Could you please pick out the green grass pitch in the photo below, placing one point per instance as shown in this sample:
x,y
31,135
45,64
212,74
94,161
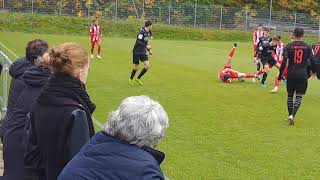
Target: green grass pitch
x,y
217,131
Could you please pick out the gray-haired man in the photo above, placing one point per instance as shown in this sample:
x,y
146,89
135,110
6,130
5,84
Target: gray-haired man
x,y
124,150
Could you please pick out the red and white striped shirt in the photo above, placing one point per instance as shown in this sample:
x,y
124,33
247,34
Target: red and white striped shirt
x,y
95,32
279,52
256,36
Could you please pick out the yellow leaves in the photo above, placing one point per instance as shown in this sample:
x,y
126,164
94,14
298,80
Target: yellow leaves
x,y
88,3
98,14
80,14
283,3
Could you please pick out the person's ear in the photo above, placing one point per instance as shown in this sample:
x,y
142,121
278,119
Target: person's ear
x,y
78,73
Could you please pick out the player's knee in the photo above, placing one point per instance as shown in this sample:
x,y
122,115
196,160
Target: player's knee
x,y
136,67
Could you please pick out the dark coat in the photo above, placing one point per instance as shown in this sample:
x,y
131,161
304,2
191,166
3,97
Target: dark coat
x,y
34,78
107,158
17,85
58,127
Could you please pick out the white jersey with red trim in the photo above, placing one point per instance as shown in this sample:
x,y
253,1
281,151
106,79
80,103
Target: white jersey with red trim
x,y
95,32
256,36
279,52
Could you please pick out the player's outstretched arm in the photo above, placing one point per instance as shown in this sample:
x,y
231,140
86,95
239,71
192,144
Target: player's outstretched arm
x,y
282,67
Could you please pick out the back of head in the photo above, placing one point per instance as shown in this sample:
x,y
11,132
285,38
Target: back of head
x,y
139,120
298,32
65,58
36,48
148,23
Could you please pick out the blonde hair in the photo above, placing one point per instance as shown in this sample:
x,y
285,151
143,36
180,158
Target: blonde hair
x,y
65,58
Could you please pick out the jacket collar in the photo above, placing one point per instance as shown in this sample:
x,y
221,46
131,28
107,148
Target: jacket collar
x,y
158,155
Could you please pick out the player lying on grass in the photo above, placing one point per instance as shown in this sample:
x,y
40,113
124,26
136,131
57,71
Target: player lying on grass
x,y
227,74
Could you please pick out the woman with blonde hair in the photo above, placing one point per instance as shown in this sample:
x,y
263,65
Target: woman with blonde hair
x,y
60,120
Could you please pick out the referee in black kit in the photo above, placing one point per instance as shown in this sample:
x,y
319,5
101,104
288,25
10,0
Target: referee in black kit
x,y
297,54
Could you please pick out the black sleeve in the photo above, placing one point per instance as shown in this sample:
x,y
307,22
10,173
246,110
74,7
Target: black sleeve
x,y
259,44
32,155
312,62
79,133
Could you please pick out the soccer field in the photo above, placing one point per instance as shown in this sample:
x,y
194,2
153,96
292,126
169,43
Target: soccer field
x,y
217,130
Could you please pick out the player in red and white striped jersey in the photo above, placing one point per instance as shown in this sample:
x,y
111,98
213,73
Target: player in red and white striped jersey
x,y
96,34
278,57
256,38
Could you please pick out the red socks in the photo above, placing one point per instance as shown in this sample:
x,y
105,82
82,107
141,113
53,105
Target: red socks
x,y
99,50
232,52
250,76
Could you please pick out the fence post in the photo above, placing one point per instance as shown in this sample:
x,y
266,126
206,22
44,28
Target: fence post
x,y
5,84
221,17
270,18
295,20
245,28
3,5
319,29
143,6
116,7
32,6
195,14
134,6
88,13
169,19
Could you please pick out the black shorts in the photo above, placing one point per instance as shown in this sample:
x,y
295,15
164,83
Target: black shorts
x,y
268,60
139,57
298,86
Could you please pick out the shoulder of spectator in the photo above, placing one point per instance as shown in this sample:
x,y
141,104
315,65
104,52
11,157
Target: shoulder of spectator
x,y
79,132
151,171
79,115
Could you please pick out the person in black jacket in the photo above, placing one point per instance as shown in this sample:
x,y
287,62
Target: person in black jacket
x,y
34,78
60,120
35,48
125,148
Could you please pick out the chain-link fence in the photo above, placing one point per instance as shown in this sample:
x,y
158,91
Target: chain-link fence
x,y
171,12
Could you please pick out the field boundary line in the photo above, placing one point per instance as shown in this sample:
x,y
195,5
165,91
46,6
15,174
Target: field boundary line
x,y
8,50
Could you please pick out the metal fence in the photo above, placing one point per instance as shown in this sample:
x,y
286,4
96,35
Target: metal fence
x,y
170,12
5,62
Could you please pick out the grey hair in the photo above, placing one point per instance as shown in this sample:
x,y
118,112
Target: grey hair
x,y
139,120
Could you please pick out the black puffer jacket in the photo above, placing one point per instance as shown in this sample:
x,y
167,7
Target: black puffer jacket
x,y
34,78
16,71
60,124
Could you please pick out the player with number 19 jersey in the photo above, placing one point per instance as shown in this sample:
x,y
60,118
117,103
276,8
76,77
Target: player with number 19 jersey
x,y
297,54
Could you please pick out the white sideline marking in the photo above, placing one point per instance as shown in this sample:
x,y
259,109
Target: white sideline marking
x,y
8,50
95,121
